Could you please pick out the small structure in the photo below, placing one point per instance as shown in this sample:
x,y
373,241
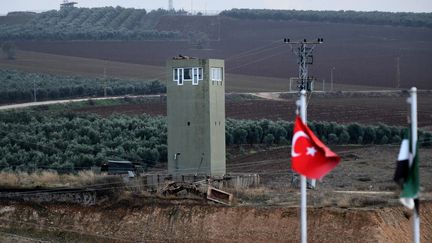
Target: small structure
x,y
196,116
219,196
66,4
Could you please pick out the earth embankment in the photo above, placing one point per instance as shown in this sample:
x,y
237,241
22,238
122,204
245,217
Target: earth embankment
x,y
207,223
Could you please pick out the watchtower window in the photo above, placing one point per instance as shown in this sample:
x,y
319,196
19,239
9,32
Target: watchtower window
x,y
176,74
187,74
197,74
216,74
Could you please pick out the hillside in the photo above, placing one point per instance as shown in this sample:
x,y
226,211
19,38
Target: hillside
x,y
106,23
362,47
341,16
361,54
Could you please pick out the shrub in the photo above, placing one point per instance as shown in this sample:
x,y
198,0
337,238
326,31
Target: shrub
x,y
332,138
384,140
269,139
396,139
356,133
344,137
369,135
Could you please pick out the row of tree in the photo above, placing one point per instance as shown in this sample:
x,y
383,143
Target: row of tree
x,y
106,23
66,141
18,86
355,17
280,132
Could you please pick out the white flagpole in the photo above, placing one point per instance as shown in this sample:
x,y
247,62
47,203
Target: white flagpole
x,y
413,101
303,215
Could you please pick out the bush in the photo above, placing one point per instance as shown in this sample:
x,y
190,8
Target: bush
x,y
332,138
240,136
356,133
269,139
396,139
369,135
344,137
384,140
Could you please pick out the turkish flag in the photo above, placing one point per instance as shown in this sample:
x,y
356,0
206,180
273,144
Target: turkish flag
x,y
310,157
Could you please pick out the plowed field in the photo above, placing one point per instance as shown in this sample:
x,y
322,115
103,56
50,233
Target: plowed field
x,y
361,54
367,110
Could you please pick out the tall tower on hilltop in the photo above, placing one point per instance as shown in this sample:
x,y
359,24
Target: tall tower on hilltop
x,y
196,116
170,5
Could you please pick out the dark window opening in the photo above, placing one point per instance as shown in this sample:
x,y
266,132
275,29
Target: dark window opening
x,y
187,74
188,123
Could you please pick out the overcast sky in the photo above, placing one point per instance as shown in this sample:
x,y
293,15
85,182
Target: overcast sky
x,y
360,5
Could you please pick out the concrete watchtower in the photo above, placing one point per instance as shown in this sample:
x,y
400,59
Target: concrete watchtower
x,y
196,116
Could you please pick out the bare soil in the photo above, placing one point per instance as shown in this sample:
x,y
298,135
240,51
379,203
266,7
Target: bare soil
x,y
363,168
89,67
208,224
361,54
390,110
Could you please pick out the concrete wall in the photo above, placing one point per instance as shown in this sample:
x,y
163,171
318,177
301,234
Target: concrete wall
x,y
196,121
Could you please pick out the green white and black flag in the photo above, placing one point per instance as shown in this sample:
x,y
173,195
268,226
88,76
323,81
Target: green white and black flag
x,y
407,174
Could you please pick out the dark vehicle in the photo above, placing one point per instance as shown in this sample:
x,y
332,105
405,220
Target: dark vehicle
x,y
119,168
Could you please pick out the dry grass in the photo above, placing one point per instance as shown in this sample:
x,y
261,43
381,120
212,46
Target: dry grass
x,y
48,179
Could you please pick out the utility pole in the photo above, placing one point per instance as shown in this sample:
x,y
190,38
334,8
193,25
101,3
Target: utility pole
x,y
105,83
170,5
398,72
304,50
331,78
34,89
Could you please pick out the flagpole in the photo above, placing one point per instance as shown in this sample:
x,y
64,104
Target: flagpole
x,y
413,101
303,215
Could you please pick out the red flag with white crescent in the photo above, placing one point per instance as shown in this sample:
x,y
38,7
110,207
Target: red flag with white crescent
x,y
310,157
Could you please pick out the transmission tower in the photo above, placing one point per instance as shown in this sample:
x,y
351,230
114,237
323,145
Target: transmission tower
x,y
170,5
303,49
398,72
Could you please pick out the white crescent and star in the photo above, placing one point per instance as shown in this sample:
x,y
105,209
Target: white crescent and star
x,y
310,150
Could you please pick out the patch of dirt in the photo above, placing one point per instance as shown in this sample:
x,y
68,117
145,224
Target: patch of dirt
x,y
362,168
